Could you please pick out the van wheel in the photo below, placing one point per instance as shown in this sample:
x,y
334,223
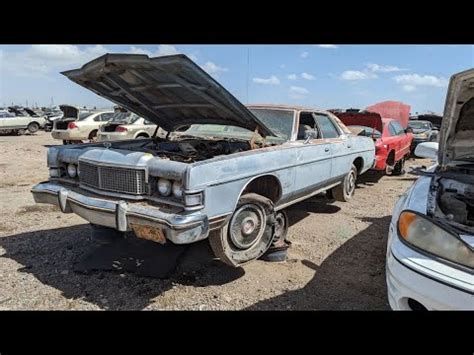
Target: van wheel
x,y
33,127
344,191
248,233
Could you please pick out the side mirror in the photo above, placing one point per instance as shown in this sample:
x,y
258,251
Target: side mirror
x,y
408,130
427,150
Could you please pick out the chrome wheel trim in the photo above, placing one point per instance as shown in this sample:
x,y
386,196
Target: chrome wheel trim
x,y
247,226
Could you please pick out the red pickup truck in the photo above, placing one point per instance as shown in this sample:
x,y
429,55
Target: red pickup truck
x,y
392,141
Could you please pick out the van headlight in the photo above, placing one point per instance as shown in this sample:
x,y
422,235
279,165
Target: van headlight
x,y
421,232
178,189
164,187
71,170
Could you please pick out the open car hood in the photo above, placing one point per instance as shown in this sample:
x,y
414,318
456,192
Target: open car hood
x,y
170,91
456,136
364,118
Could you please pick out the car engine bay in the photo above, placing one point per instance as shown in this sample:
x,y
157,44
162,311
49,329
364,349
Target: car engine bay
x,y
454,200
189,150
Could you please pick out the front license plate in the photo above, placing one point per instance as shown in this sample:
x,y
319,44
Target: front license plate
x,y
149,233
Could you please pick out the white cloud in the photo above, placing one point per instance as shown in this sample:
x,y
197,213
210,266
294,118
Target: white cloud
x,y
409,88
213,69
272,80
304,55
297,92
332,46
353,75
376,68
307,76
421,80
166,49
292,77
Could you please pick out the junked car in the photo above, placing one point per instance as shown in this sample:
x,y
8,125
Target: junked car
x,y
430,250
20,122
423,131
126,125
194,183
78,125
392,141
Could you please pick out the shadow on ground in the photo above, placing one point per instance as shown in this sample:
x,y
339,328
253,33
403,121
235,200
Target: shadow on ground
x,y
351,278
52,255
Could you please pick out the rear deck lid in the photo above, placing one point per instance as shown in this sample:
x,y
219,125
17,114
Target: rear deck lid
x,y
363,118
69,112
170,91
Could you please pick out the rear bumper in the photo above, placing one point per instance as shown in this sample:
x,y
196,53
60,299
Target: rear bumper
x,y
69,135
121,215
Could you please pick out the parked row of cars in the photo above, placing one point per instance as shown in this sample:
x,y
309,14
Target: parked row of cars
x,y
226,172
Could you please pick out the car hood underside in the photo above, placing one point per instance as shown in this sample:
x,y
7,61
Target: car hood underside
x,y
171,91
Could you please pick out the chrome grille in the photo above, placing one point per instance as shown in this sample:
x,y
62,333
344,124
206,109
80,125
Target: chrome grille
x,y
116,179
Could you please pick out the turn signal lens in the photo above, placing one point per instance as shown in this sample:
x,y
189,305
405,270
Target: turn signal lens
x,y
404,222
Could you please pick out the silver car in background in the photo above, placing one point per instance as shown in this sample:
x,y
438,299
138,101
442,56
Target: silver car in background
x,y
126,125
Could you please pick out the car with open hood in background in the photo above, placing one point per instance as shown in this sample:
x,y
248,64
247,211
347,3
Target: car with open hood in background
x,y
392,141
127,125
19,121
430,249
224,171
78,125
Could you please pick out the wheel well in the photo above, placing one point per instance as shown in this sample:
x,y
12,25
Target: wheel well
x,y
34,122
142,135
391,158
268,186
92,133
359,164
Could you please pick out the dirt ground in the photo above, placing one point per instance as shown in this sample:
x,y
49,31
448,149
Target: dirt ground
x,y
336,261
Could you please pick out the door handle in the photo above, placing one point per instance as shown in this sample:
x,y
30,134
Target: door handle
x,y
326,149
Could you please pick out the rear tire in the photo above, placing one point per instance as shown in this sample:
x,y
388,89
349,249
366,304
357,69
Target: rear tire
x,y
249,232
33,127
399,168
344,191
93,136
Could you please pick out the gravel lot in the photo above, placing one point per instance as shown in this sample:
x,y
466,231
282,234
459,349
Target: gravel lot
x,y
336,261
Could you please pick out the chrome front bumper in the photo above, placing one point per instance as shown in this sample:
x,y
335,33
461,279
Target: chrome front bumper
x,y
120,214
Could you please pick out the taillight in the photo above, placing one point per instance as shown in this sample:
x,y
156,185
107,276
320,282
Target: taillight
x,y
120,129
71,125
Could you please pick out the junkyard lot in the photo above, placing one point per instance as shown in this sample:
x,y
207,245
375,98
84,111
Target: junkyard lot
x,y
336,260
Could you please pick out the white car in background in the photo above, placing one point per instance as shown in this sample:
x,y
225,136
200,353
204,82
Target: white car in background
x,y
79,125
430,251
126,125
18,121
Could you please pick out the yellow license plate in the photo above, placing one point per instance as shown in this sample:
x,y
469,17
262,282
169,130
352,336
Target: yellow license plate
x,y
149,233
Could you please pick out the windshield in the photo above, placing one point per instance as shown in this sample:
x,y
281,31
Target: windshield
x,y
279,121
124,117
368,131
419,125
84,115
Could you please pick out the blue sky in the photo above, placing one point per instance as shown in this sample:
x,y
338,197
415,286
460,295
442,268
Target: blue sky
x,y
323,76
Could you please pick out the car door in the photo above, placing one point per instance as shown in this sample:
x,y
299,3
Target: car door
x,y
313,157
341,148
403,140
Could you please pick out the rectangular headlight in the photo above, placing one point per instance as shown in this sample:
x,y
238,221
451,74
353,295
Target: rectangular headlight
x,y
55,172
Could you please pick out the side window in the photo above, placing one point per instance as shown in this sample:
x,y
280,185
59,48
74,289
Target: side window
x,y
327,126
106,116
98,118
306,123
398,128
392,129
